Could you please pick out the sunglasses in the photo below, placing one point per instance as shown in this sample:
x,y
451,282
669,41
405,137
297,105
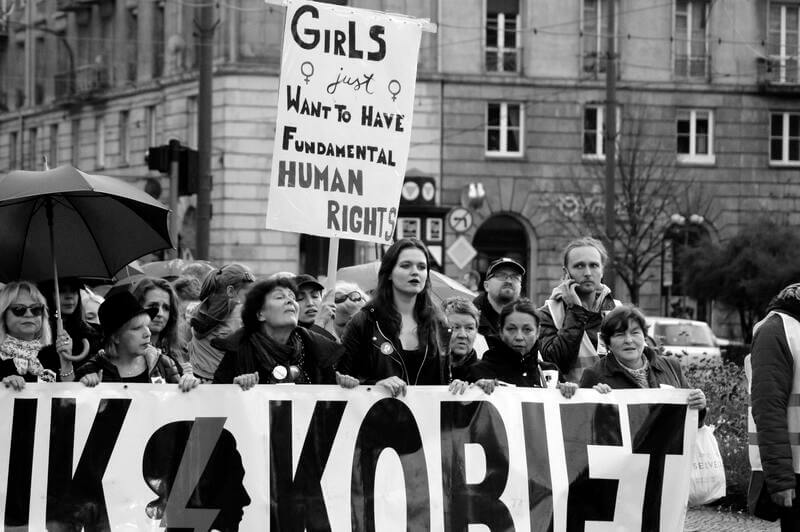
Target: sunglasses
x,y
355,297
20,310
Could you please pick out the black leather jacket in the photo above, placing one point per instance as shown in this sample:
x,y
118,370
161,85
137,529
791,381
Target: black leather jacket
x,y
371,355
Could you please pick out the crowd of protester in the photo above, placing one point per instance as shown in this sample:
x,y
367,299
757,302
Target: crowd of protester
x,y
224,326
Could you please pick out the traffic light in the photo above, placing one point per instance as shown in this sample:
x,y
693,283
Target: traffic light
x,y
160,158
157,158
187,172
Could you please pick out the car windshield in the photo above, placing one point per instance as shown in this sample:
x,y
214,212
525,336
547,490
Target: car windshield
x,y
684,334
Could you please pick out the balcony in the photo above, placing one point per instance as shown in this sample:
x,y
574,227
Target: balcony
x,y
83,84
778,74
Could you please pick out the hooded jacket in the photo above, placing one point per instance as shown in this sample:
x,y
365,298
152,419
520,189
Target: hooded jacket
x,y
774,394
562,343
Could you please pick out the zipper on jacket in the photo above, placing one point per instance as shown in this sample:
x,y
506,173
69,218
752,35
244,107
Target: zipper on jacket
x,y
402,363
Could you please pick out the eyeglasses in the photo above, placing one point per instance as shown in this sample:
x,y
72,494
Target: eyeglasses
x,y
355,297
20,310
507,276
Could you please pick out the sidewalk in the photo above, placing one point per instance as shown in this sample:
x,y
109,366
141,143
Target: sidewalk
x,y
710,520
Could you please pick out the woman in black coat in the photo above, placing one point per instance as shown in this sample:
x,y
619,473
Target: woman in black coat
x,y
271,348
394,340
630,364
512,358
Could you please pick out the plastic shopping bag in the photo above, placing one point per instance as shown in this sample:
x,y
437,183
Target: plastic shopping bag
x,y
707,481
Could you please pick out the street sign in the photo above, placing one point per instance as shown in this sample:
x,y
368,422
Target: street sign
x,y
459,219
461,252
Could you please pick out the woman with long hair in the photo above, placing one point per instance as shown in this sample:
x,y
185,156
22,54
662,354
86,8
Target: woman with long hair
x,y
217,316
24,332
271,347
393,341
167,324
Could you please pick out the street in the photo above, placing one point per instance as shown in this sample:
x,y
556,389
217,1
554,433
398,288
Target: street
x,y
706,519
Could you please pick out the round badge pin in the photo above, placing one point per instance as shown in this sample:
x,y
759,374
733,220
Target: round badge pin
x,y
279,372
386,348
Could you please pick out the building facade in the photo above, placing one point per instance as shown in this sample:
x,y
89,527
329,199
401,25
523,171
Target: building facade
x,y
510,102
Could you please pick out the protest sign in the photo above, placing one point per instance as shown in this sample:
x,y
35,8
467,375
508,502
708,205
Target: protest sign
x,y
343,127
146,457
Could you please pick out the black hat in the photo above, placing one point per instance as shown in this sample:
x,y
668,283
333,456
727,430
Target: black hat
x,y
508,263
307,280
117,309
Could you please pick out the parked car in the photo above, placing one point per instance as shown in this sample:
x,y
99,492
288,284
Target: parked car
x,y
690,340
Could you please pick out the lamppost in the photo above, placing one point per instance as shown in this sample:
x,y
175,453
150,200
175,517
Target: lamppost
x,y
683,226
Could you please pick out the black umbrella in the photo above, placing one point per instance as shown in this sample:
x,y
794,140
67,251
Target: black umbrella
x,y
64,222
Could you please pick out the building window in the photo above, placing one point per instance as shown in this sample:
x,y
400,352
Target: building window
x,y
124,144
150,123
594,131
100,141
783,47
13,141
191,121
504,129
75,140
502,25
691,38
52,156
595,31
695,130
33,140
158,37
784,138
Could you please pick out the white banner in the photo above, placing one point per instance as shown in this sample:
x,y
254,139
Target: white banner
x,y
345,104
147,457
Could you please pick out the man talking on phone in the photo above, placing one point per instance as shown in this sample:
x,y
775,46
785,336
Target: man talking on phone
x,y
571,317
503,285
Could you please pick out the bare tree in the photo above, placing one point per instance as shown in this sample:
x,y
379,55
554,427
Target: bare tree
x,y
649,189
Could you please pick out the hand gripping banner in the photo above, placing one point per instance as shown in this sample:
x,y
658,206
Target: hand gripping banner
x,y
318,458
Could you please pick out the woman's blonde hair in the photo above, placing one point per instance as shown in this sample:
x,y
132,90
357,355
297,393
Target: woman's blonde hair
x,y
9,294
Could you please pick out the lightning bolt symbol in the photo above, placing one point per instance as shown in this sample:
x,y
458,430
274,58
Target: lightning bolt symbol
x,y
202,439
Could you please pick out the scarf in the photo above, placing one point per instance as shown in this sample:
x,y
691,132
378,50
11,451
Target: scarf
x,y
271,354
24,353
639,375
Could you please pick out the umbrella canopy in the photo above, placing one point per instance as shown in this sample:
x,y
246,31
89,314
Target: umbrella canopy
x,y
366,277
99,224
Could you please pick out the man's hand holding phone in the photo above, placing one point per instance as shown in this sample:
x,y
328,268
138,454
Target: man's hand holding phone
x,y
565,291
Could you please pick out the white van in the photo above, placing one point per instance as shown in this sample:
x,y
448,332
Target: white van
x,y
690,340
